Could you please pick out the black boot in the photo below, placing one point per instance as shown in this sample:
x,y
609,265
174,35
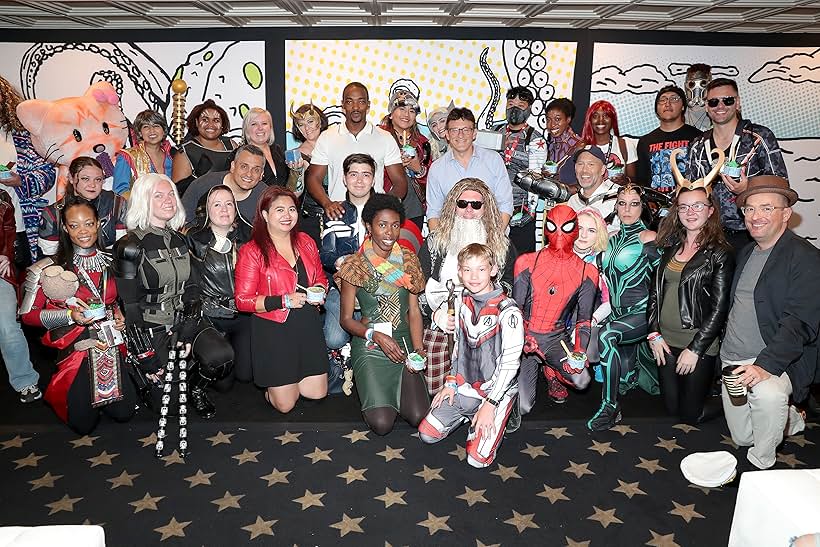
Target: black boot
x,y
199,397
202,404
514,420
608,416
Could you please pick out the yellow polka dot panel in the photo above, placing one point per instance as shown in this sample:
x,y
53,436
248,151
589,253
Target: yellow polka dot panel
x,y
469,73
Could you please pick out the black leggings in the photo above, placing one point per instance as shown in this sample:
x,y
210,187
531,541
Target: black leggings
x,y
685,394
238,331
82,417
211,350
413,406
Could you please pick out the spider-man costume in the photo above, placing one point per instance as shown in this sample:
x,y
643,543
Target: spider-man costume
x,y
554,288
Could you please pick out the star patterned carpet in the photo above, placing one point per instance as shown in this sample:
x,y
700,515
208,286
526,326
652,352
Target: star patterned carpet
x,y
337,484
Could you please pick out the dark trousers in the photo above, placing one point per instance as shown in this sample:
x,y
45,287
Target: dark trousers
x,y
238,331
82,417
685,394
523,237
312,226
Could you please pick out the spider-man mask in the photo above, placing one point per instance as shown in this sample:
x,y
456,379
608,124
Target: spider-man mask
x,y
561,229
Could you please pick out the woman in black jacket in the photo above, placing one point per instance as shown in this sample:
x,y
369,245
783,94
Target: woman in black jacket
x,y
689,301
214,243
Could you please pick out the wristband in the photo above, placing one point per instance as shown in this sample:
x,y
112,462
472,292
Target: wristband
x,y
273,303
654,336
286,301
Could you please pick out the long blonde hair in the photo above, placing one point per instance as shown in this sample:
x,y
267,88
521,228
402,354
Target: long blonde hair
x,y
602,237
497,239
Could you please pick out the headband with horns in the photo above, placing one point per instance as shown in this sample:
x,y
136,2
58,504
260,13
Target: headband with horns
x,y
309,113
702,183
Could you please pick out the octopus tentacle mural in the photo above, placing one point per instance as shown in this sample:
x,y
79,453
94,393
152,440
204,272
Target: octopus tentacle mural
x,y
526,66
488,112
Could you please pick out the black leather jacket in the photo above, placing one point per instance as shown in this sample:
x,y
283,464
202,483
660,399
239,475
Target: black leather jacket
x,y
214,270
703,293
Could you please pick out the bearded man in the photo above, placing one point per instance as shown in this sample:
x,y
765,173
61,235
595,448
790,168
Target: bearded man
x,y
470,215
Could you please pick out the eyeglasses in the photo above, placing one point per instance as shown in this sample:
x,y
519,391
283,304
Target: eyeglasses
x,y
460,131
672,100
765,210
463,203
727,101
697,207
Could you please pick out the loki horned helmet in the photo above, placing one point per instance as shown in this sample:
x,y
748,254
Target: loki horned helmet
x,y
307,114
704,183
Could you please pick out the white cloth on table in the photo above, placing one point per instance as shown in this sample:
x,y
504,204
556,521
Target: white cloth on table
x,y
65,536
774,506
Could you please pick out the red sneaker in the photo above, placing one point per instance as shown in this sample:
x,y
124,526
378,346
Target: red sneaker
x,y
556,390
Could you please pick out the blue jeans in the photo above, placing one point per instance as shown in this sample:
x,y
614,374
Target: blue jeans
x,y
335,335
13,344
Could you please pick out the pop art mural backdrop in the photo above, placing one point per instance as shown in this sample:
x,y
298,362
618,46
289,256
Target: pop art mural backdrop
x,y
779,88
470,73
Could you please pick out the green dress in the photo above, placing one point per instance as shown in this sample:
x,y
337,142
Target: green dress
x,y
378,379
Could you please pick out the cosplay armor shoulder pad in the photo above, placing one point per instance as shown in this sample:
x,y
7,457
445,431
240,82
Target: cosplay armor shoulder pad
x,y
506,303
126,253
32,283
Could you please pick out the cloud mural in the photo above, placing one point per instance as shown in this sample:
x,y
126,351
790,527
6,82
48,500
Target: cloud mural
x,y
679,69
638,80
797,68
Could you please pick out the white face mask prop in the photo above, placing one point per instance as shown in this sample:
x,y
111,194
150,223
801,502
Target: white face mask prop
x,y
695,87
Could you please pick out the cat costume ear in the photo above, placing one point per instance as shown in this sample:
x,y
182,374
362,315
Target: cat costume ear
x,y
32,114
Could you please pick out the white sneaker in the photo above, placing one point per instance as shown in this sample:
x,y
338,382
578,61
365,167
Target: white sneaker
x,y
29,394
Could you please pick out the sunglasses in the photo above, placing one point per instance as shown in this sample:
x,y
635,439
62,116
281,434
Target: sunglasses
x,y
524,96
463,203
727,101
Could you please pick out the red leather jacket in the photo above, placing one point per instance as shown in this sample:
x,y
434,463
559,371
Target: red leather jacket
x,y
8,233
253,278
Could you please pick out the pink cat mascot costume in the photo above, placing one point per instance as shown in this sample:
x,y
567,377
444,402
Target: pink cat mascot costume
x,y
62,130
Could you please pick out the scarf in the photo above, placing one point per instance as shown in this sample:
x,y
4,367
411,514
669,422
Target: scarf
x,y
389,272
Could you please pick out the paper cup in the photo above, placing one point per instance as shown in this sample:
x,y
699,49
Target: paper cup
x,y
408,151
737,392
315,295
616,171
578,360
731,170
416,361
550,168
95,311
293,156
5,175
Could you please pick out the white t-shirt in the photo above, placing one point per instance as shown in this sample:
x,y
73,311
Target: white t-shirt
x,y
337,143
